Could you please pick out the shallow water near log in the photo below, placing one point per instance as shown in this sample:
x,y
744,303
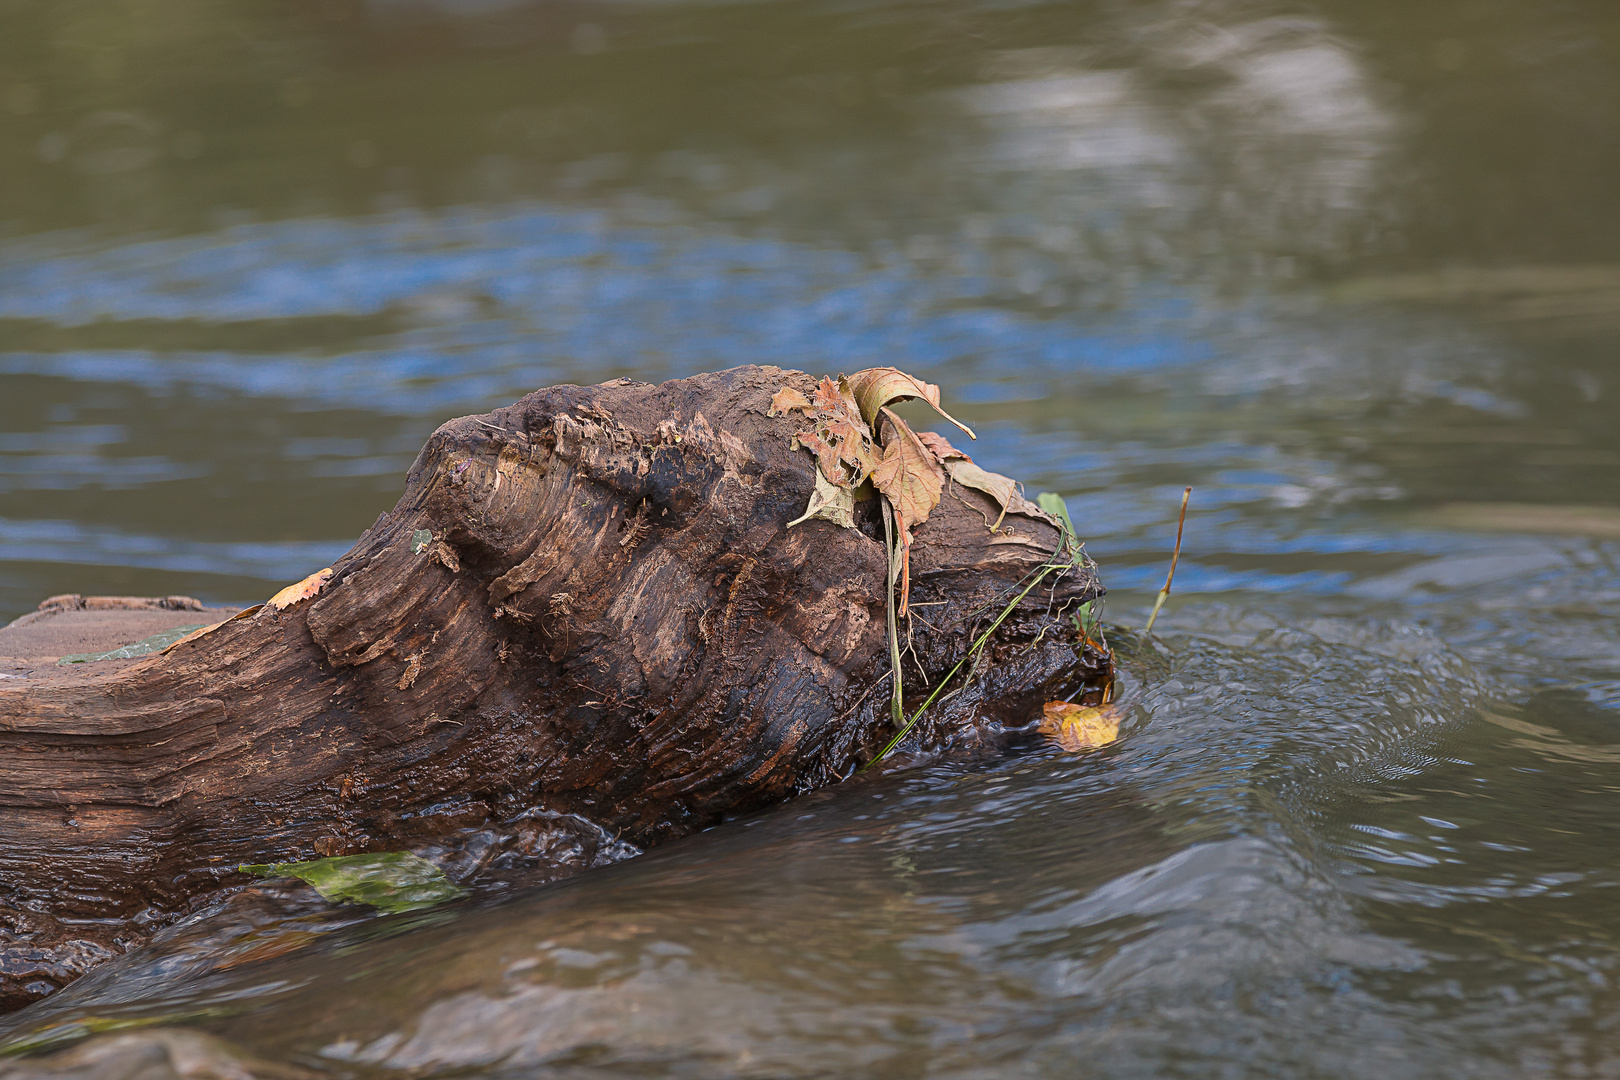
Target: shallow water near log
x,y
1349,269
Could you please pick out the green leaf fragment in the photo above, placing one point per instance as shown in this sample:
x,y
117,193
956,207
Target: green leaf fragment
x,y
143,647
420,540
1053,504
393,881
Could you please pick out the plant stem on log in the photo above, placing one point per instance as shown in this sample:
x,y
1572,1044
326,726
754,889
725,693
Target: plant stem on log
x,y
897,693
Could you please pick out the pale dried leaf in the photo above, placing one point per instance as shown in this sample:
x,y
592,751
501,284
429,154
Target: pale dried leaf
x,y
302,590
874,388
445,555
830,502
786,400
911,479
1003,489
1000,488
1079,727
940,447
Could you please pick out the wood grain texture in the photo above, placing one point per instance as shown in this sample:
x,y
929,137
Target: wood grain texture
x,y
611,619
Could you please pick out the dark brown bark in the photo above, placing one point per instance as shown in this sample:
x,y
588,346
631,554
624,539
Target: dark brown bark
x,y
586,601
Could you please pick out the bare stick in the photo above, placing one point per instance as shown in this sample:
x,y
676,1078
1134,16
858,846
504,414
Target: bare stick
x,y
1164,593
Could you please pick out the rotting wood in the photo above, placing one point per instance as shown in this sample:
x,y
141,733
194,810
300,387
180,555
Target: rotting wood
x,y
611,619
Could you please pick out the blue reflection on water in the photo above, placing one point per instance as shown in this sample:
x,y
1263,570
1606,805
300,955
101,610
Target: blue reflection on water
x,y
532,293
72,542
490,303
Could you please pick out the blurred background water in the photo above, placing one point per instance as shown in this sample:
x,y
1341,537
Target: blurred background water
x,y
1351,269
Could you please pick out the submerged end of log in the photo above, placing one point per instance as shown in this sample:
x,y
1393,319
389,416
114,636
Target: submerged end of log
x,y
588,602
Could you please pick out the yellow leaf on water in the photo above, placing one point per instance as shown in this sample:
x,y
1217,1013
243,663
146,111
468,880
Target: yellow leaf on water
x,y
302,590
876,387
786,400
1079,727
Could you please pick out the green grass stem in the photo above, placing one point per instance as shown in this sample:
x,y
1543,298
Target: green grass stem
x,y
971,653
896,699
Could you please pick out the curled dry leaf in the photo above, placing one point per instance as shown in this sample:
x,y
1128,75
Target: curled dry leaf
x,y
940,446
827,454
832,502
876,387
843,446
910,476
832,398
786,400
1079,727
1003,489
302,590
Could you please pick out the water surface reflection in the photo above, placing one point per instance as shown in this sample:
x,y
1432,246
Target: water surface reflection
x,y
1348,269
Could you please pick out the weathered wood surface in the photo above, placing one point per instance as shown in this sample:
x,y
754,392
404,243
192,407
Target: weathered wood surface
x,y
587,601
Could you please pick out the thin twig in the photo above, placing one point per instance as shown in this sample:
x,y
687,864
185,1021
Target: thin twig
x,y
971,654
864,695
1164,593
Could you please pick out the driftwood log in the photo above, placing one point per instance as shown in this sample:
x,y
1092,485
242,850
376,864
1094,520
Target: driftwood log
x,y
587,601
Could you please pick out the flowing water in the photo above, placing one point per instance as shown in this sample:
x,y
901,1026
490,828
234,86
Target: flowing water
x,y
1351,269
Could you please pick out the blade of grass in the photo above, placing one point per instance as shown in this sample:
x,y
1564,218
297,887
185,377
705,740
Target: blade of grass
x,y
1164,593
896,700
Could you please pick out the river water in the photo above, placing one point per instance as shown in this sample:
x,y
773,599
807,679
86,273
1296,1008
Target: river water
x,y
1351,269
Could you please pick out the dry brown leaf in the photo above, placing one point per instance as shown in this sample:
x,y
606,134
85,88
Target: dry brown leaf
x,y
302,590
852,440
826,453
876,387
1003,489
1079,727
940,447
911,479
835,397
831,502
786,400
841,437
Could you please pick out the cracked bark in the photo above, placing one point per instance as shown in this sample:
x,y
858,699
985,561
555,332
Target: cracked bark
x,y
607,616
